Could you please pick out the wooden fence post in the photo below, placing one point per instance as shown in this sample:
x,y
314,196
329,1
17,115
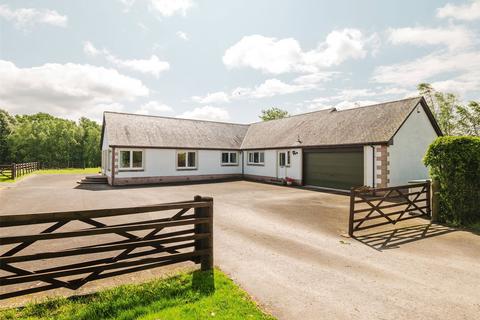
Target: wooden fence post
x,y
14,171
435,199
202,244
352,204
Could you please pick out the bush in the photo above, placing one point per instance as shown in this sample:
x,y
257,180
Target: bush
x,y
455,162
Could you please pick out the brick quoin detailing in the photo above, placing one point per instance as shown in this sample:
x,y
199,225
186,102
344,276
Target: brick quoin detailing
x,y
382,165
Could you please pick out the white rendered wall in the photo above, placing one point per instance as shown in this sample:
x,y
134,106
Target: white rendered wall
x,y
368,166
271,167
409,147
162,162
105,147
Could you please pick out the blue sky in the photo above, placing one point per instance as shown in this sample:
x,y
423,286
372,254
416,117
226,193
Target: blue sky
x,y
228,60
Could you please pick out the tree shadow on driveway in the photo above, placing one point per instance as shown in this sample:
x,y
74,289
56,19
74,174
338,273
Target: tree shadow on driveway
x,y
393,239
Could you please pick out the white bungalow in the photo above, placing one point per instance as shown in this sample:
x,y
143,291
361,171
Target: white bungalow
x,y
378,145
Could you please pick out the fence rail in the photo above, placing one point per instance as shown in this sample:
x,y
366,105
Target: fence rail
x,y
370,207
144,245
15,170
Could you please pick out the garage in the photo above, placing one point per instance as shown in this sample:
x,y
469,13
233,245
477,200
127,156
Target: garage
x,y
336,168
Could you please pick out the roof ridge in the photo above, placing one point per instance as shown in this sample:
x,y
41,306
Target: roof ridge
x,y
174,118
329,109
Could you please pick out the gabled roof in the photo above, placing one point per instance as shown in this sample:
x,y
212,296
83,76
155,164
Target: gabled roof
x,y
375,124
133,130
363,125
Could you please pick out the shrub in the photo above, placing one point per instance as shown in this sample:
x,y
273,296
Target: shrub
x,y
455,162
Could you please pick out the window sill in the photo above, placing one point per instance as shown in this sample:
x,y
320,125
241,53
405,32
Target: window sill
x,y
256,164
229,164
186,169
130,170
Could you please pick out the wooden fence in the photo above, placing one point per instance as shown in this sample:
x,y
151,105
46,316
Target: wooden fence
x,y
370,207
78,248
15,170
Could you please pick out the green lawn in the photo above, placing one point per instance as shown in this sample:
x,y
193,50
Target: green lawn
x,y
55,171
193,295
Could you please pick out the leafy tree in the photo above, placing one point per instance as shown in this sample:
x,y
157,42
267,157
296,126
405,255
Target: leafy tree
x,y
469,118
446,108
273,114
7,122
53,141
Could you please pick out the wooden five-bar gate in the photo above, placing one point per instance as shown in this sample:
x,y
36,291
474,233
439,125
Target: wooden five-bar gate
x,y
373,207
81,254
14,170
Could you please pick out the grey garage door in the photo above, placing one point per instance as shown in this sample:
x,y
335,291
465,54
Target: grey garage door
x,y
334,168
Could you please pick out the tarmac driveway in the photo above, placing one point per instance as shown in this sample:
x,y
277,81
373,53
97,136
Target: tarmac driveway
x,y
285,246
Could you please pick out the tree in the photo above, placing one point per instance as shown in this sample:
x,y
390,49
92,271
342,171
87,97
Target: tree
x,y
443,106
54,141
469,118
7,122
447,105
273,114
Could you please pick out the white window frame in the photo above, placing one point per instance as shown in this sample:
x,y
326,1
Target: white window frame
x,y
287,159
130,167
230,162
253,163
186,160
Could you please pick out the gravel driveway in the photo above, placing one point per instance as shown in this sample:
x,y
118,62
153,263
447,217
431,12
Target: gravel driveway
x,y
285,247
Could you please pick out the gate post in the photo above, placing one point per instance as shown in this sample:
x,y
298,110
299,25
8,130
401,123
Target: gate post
x,y
435,199
352,207
14,171
206,261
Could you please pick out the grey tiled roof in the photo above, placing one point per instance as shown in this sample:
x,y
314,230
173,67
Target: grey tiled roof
x,y
364,125
149,131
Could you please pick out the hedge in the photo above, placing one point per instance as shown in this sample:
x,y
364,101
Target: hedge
x,y
455,162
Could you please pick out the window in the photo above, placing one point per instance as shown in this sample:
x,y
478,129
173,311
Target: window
x,y
131,159
256,157
186,160
284,159
229,158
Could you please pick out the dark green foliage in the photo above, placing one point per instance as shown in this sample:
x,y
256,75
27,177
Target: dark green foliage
x,y
54,142
455,162
7,122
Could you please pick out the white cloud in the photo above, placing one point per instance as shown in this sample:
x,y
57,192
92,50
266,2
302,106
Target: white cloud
x,y
153,108
153,65
168,8
90,50
269,88
69,90
276,56
206,113
462,66
315,78
28,17
452,37
216,97
182,35
468,12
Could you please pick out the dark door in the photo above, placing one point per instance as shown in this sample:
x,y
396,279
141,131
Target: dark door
x,y
334,168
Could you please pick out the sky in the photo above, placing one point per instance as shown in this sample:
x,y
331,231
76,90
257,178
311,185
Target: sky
x,y
228,60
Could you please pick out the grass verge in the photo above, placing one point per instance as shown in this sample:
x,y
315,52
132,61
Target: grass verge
x,y
55,171
193,295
